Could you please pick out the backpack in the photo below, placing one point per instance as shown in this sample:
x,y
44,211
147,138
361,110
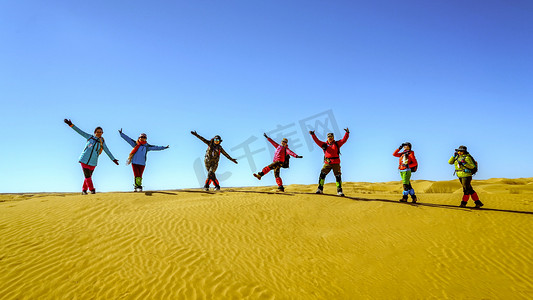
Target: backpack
x,y
474,170
286,162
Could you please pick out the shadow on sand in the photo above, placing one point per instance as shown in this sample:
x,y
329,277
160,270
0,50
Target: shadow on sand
x,y
446,206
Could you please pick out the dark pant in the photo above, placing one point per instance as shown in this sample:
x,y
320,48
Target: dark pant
x,y
211,165
325,171
276,166
467,185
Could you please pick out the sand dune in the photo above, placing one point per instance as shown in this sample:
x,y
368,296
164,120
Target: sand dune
x,y
255,243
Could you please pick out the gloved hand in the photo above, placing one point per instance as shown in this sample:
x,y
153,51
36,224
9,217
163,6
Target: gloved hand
x,y
401,146
234,160
299,156
455,154
311,132
265,135
120,130
347,130
167,146
116,161
68,122
193,133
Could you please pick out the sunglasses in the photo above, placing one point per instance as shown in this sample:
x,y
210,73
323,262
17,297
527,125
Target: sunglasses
x,y
217,140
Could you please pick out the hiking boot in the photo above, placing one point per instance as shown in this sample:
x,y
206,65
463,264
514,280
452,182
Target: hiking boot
x,y
84,192
206,189
479,204
404,198
257,176
319,191
463,204
217,188
93,191
281,188
413,197
340,193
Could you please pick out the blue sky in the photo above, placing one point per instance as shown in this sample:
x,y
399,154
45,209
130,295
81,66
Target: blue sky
x,y
436,73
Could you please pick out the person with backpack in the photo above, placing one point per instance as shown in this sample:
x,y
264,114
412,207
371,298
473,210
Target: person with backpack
x,y
211,159
408,165
137,157
465,167
332,159
281,160
89,156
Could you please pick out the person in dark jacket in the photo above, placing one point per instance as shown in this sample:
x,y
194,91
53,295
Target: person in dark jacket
x,y
280,157
407,164
89,156
211,159
332,160
137,157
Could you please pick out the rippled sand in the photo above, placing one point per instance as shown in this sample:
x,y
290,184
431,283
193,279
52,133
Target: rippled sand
x,y
255,243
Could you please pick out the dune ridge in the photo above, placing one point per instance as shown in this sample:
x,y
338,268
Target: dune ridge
x,y
255,243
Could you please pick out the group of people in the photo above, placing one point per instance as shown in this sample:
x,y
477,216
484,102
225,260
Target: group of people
x,y
465,165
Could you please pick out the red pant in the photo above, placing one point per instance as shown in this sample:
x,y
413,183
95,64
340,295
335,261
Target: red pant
x,y
137,170
88,173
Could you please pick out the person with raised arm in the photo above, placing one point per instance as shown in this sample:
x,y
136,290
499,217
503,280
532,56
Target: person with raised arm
x,y
332,161
137,157
89,156
211,159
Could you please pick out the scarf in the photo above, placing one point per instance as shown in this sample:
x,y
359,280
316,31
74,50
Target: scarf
x,y
139,143
99,140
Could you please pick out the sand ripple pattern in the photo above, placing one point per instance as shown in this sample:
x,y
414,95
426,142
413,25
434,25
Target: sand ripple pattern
x,y
254,244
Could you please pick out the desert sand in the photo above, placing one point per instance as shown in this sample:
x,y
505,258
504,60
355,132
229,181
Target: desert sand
x,y
255,243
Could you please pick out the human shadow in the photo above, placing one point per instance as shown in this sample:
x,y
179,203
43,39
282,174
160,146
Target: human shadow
x,y
240,191
150,193
446,206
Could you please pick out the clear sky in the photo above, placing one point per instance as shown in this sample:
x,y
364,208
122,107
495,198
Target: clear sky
x,y
436,73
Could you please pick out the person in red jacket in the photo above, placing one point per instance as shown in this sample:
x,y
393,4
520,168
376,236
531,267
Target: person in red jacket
x,y
280,160
332,159
407,165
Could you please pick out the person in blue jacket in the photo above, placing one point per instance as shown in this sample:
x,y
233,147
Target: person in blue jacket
x,y
137,156
89,157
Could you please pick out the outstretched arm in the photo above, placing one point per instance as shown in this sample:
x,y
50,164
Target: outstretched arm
x,y
156,148
317,141
200,137
227,155
127,138
79,131
289,151
106,150
272,142
345,138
